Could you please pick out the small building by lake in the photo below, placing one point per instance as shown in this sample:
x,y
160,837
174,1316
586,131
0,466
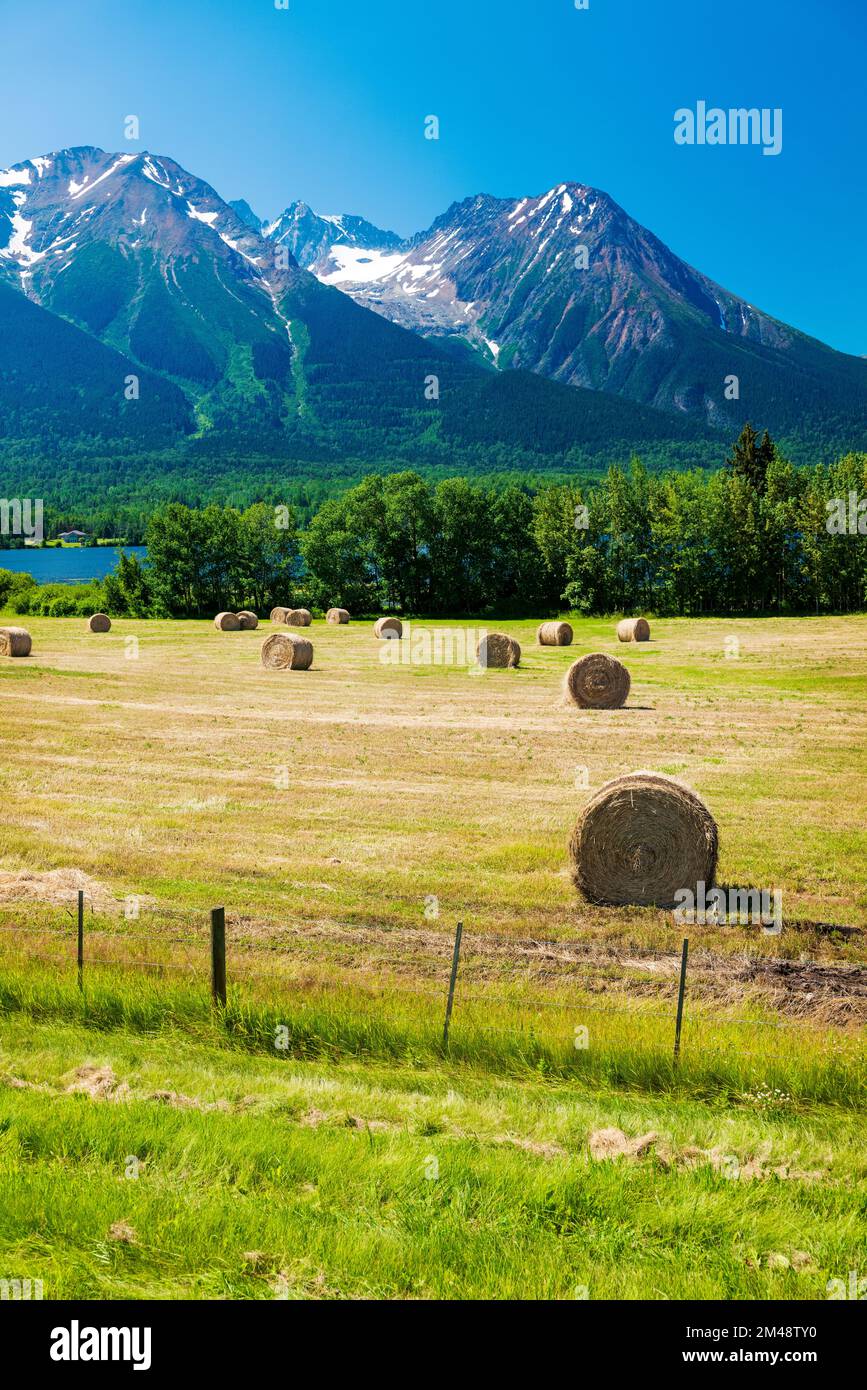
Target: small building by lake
x,y
73,537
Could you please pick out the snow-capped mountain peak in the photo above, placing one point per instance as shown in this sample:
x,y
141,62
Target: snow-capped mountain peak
x,y
312,237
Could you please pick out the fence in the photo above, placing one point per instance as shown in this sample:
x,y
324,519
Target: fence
x,y
212,958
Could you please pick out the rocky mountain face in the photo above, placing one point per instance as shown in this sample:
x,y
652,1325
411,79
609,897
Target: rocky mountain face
x,y
512,330
141,271
569,286
246,214
326,244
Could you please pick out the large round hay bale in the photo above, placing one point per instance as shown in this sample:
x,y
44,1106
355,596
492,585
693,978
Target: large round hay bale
x,y
299,617
99,622
337,615
15,641
284,651
248,620
633,630
278,615
227,622
640,840
498,649
597,681
554,635
388,628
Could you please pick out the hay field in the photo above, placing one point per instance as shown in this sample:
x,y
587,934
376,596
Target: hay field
x,y
347,817
353,791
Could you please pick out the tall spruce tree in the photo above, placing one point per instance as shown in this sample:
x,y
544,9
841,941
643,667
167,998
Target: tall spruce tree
x,y
751,458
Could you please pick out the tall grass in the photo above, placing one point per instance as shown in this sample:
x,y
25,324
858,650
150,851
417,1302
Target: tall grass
x,y
624,1047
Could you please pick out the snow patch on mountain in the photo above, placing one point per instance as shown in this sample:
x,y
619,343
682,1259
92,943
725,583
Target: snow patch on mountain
x,y
209,218
76,190
358,266
9,178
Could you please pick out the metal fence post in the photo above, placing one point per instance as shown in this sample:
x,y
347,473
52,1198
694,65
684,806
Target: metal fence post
x,y
680,993
81,938
455,958
218,956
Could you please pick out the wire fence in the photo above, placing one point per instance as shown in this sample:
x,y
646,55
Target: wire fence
x,y
464,1001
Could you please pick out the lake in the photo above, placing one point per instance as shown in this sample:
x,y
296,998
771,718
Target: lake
x,y
72,565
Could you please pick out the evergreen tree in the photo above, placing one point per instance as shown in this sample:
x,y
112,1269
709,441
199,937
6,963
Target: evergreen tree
x,y
751,458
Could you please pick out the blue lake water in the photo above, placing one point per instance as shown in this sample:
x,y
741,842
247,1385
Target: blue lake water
x,y
73,565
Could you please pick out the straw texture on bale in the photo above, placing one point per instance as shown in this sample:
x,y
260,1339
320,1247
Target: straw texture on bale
x,y
299,617
15,641
388,628
278,615
640,840
99,622
283,651
633,630
227,622
498,649
337,615
249,622
554,635
598,681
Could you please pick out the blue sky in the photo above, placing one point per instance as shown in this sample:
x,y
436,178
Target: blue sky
x,y
326,101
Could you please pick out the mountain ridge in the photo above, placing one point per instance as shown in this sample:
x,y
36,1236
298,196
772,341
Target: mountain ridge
x,y
147,260
566,284
542,329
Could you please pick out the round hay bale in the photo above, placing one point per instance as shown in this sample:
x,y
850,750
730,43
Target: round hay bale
x,y
299,617
598,681
15,641
99,622
227,622
554,635
283,651
388,628
633,630
248,620
337,615
278,615
640,840
498,649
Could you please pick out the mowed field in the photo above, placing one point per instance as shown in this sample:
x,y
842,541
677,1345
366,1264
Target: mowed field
x,y
353,791
347,818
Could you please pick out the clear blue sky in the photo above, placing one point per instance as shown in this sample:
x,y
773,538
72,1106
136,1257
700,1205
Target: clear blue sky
x,y
325,101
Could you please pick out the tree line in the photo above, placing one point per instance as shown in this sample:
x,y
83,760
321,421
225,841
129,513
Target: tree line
x,y
759,536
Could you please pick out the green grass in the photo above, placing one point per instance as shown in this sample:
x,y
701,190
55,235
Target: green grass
x,y
412,1180
156,777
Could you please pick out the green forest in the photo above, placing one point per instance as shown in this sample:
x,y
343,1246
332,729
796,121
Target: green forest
x,y
757,536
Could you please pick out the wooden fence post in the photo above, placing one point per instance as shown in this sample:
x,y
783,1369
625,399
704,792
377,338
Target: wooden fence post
x,y
218,956
680,993
455,958
81,938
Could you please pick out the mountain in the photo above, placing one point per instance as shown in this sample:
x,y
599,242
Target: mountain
x,y
126,265
246,214
330,244
568,286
